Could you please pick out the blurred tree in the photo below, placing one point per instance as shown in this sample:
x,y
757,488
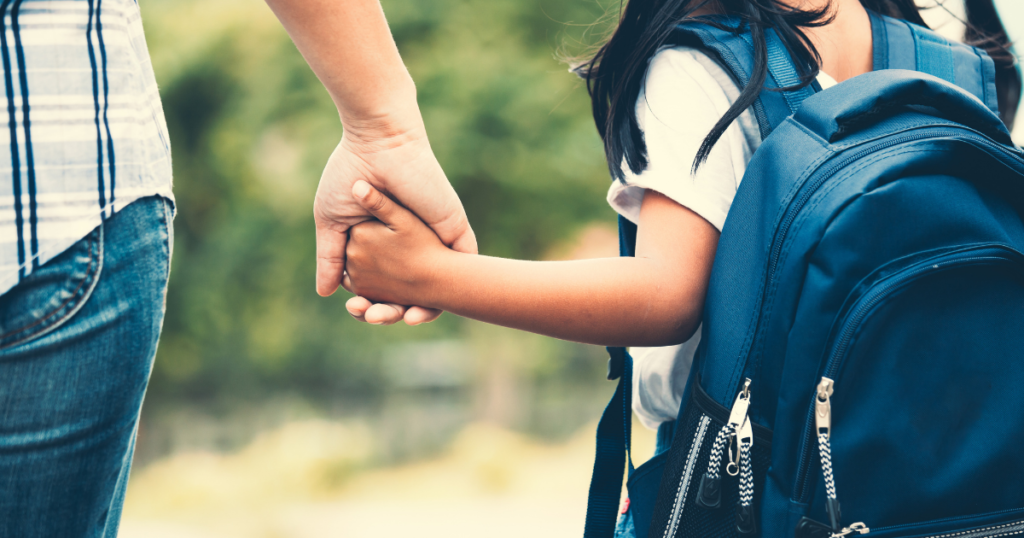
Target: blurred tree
x,y
251,128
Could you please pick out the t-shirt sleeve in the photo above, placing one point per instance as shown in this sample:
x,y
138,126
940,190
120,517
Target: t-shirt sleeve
x,y
681,102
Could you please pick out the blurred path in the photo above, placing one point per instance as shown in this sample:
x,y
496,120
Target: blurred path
x,y
494,518
314,479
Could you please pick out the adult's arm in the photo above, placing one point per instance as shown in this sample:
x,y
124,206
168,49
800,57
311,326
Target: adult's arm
x,y
349,46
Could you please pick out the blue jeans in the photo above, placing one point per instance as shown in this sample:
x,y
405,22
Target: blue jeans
x,y
77,341
624,526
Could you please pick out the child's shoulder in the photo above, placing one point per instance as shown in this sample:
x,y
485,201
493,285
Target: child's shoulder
x,y
687,79
686,71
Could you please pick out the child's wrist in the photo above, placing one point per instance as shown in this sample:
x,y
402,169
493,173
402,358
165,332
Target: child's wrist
x,y
435,288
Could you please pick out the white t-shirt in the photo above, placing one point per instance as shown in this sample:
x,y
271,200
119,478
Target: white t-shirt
x,y
684,95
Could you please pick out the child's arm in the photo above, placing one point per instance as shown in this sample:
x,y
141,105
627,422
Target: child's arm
x,y
653,299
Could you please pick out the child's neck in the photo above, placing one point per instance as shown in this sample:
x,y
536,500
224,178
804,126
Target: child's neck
x,y
845,45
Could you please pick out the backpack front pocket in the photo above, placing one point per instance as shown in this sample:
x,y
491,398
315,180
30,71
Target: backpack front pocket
x,y
916,415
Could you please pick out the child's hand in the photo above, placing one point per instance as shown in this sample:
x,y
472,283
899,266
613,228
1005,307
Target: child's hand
x,y
393,259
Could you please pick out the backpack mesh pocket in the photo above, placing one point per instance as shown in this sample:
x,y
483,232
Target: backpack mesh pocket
x,y
677,513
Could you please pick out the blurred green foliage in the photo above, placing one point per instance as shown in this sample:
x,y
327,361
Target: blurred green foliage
x,y
251,128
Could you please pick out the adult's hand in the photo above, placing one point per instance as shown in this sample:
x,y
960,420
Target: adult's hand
x,y
396,160
348,45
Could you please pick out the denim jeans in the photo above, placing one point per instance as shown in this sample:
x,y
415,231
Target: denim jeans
x,y
624,526
77,341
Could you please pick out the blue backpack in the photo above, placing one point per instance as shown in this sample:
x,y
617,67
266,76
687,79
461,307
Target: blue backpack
x,y
863,338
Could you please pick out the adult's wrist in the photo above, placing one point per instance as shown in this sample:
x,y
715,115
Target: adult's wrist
x,y
390,114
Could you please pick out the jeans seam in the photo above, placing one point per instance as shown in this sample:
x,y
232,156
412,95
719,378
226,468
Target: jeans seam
x,y
168,242
93,272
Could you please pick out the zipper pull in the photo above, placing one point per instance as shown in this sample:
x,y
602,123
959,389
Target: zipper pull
x,y
809,528
746,523
710,493
739,408
823,407
822,418
858,528
823,422
737,417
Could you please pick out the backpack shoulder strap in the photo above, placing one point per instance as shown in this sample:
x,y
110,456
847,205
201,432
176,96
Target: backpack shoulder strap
x,y
731,46
903,45
898,44
612,451
729,43
733,50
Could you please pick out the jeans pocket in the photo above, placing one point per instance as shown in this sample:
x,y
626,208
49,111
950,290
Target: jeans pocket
x,y
52,294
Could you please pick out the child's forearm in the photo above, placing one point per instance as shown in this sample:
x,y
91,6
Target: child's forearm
x,y
653,299
607,301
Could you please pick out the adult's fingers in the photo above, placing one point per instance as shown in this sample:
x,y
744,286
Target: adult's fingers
x,y
330,258
374,313
357,307
384,314
416,315
427,192
453,229
380,206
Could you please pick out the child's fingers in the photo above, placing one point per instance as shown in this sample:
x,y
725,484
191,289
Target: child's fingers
x,y
383,208
416,315
384,314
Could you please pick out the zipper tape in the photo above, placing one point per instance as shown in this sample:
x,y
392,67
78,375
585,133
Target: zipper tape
x,y
684,483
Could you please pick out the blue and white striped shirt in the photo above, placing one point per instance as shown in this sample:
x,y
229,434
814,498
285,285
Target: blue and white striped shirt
x,y
83,132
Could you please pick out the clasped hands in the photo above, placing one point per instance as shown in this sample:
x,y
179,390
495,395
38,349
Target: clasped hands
x,y
396,160
395,259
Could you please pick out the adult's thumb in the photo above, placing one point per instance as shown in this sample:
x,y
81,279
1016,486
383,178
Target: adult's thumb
x,y
330,258
466,242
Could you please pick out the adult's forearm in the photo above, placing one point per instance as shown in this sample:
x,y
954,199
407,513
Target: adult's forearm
x,y
607,301
349,46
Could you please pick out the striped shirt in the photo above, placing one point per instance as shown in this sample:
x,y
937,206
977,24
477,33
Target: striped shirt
x,y
82,134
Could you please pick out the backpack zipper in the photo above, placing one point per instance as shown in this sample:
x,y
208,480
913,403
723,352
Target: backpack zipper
x,y
823,422
684,483
710,493
739,432
989,253
795,207
1014,528
994,531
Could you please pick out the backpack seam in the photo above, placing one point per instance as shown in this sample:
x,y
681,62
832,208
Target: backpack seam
x,y
753,327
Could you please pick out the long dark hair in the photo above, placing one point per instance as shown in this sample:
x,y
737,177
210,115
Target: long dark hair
x,y
615,74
